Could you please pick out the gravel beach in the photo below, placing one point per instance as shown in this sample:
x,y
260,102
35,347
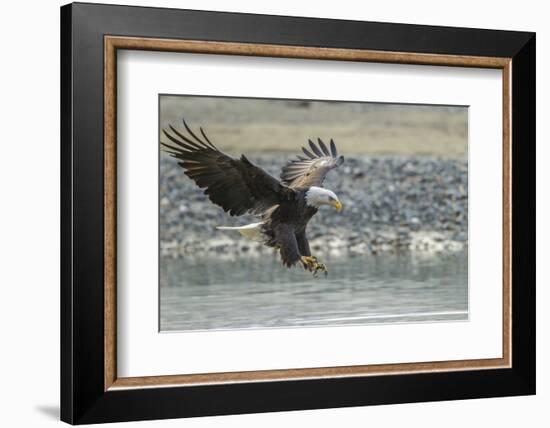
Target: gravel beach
x,y
391,204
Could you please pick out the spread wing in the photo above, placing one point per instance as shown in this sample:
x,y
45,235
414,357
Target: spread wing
x,y
311,170
236,185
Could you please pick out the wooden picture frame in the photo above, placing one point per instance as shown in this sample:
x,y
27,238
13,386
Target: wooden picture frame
x,y
91,390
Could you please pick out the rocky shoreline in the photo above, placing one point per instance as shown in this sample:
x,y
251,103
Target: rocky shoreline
x,y
391,204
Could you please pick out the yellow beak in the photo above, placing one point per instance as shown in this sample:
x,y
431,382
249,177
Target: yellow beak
x,y
338,205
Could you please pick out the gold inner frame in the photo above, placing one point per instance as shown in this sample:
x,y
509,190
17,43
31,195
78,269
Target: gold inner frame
x,y
113,43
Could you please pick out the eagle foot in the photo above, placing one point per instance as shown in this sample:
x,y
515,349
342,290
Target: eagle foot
x,y
311,264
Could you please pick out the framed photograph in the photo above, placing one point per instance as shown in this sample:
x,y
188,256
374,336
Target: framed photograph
x,y
266,213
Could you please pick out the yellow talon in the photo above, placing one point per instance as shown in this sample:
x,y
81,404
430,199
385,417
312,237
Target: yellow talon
x,y
311,264
308,262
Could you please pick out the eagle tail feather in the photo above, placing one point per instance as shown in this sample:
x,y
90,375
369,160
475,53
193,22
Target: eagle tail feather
x,y
251,231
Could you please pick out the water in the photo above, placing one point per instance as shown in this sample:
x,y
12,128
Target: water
x,y
204,294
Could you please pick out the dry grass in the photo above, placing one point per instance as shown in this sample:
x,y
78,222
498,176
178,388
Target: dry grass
x,y
251,125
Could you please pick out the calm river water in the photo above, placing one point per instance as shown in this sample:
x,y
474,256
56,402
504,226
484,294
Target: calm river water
x,y
203,294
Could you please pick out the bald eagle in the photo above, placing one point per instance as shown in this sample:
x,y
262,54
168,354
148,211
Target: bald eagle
x,y
284,206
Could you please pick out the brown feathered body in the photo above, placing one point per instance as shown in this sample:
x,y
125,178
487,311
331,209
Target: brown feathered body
x,y
284,228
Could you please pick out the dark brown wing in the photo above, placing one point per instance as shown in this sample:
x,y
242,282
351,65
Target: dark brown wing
x,y
311,170
236,185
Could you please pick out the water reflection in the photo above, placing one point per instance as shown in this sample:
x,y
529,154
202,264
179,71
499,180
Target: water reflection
x,y
258,293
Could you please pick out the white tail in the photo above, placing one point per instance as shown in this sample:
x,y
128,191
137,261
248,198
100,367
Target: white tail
x,y
251,231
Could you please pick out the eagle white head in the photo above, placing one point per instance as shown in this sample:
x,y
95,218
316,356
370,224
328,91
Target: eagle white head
x,y
317,196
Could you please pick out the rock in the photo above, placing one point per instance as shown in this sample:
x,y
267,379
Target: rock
x,y
414,203
361,248
415,223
